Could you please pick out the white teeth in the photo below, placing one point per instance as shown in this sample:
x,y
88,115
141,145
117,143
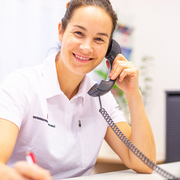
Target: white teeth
x,y
82,58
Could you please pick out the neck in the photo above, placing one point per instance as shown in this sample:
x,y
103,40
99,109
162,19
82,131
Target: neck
x,y
68,81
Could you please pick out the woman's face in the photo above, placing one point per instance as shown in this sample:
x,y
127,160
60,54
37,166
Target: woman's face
x,y
85,40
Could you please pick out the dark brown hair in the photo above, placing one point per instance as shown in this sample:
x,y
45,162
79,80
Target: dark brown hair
x,y
75,4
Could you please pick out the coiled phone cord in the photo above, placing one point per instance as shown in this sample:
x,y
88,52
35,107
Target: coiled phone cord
x,y
133,149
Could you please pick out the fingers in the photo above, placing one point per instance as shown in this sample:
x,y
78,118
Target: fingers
x,y
14,175
133,72
32,171
122,68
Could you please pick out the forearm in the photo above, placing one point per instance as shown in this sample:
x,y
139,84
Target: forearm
x,y
141,133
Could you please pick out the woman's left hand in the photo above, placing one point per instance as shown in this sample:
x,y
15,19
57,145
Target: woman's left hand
x,y
126,73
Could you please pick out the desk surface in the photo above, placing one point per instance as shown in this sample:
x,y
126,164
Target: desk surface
x,y
173,168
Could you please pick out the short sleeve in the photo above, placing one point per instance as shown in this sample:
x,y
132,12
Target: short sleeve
x,y
14,98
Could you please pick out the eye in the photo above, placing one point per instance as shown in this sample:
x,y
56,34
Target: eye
x,y
79,33
99,39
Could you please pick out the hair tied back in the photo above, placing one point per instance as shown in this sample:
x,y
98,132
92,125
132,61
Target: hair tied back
x,y
67,4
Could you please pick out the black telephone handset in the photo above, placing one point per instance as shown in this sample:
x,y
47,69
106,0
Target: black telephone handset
x,y
102,87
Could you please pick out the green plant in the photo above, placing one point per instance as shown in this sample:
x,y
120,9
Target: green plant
x,y
146,80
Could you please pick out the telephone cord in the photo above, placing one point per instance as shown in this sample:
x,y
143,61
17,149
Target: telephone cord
x,y
131,147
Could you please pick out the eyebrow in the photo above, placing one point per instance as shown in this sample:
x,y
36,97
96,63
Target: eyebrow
x,y
101,34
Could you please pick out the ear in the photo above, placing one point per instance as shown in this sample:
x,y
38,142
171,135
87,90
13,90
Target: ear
x,y
107,64
60,31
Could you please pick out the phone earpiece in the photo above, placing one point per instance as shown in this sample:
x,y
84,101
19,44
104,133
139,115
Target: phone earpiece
x,y
102,87
113,50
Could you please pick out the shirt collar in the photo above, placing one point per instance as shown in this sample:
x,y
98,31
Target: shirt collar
x,y
52,87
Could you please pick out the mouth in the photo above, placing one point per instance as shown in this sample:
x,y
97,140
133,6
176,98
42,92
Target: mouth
x,y
82,58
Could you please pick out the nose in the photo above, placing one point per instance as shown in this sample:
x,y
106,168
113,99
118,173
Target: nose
x,y
86,46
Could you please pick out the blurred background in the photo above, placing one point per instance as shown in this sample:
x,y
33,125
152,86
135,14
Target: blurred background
x,y
149,35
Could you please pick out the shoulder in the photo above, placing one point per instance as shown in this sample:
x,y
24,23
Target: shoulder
x,y
21,78
20,85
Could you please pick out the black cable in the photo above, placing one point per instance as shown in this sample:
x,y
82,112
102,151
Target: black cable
x,y
100,102
133,149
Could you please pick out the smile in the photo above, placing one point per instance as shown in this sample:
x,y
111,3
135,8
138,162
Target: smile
x,y
82,58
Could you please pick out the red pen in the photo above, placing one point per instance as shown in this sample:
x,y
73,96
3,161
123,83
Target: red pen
x,y
30,158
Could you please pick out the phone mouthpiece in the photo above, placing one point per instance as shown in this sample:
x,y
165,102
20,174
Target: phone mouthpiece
x,y
101,88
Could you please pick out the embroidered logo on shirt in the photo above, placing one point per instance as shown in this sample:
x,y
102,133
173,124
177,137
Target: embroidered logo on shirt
x,y
45,120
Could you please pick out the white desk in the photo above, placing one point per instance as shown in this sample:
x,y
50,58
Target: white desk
x,y
173,168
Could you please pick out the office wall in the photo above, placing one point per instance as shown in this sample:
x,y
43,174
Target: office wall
x,y
156,34
28,30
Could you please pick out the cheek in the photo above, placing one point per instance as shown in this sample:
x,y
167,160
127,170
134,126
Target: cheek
x,y
101,54
71,45
66,47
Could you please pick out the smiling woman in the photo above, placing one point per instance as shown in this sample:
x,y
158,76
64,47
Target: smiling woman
x,y
53,116
83,46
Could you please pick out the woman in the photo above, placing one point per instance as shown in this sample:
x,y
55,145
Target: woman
x,y
46,109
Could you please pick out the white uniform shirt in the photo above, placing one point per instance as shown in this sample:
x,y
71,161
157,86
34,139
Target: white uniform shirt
x,y
49,122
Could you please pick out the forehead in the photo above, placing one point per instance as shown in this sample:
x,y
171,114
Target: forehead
x,y
92,18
